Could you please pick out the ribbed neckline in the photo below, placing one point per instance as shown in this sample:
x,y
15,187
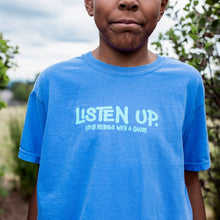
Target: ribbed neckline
x,y
121,71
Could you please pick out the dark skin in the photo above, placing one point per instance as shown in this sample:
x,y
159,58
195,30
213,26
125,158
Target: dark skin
x,y
195,195
124,28
32,211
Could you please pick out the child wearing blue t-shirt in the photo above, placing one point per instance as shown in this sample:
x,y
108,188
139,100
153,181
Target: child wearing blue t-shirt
x,y
119,132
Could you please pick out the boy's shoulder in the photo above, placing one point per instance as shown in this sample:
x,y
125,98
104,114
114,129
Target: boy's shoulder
x,y
66,65
177,64
180,69
59,73
61,70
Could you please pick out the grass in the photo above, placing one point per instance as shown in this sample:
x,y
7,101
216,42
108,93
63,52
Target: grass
x,y
5,140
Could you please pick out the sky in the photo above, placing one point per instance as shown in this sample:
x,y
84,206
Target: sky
x,y
50,31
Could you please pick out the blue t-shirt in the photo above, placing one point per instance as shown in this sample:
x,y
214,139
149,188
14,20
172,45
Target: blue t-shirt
x,y
113,142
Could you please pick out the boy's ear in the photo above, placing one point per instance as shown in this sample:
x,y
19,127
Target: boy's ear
x,y
162,8
89,6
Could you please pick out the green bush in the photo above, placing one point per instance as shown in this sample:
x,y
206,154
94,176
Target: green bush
x,y
195,39
7,53
3,191
27,172
21,91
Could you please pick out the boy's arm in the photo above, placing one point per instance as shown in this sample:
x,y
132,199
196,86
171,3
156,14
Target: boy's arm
x,y
195,195
32,211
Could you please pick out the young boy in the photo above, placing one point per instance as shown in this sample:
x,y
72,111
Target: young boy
x,y
119,132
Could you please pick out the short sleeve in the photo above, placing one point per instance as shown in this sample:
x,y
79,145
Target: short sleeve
x,y
33,131
195,141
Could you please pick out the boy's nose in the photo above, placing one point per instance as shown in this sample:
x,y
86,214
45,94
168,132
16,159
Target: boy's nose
x,y
128,5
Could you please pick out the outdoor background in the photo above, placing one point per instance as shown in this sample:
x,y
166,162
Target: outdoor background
x,y
37,34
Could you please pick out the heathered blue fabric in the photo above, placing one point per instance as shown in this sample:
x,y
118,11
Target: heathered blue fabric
x,y
113,142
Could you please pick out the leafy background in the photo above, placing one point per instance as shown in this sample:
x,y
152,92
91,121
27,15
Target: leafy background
x,y
194,38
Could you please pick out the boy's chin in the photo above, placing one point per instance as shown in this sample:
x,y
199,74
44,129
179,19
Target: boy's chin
x,y
126,44
127,49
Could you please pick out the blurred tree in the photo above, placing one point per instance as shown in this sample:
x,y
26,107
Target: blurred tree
x,y
21,90
27,172
3,191
7,53
195,39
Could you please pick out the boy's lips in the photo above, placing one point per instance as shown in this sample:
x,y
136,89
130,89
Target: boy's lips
x,y
126,23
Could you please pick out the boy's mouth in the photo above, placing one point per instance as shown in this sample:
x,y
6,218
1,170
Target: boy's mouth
x,y
126,22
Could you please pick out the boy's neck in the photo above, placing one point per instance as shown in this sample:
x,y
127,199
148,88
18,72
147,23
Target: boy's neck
x,y
115,57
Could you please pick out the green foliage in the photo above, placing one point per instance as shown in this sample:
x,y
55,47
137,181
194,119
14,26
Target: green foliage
x,y
195,39
2,104
3,192
7,54
21,91
27,172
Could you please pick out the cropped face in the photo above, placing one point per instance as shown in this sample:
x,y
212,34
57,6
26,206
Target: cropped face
x,y
125,25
